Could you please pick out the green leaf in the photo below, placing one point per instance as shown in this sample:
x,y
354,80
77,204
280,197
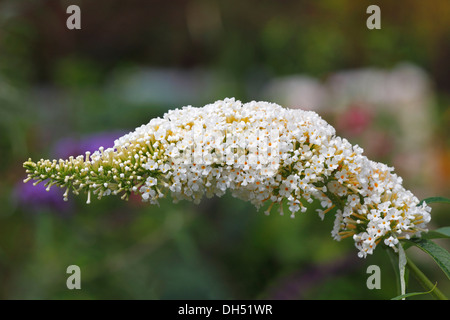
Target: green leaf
x,y
439,254
438,233
444,230
400,297
441,233
434,199
423,280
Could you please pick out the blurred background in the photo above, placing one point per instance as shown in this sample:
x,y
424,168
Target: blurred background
x,y
63,92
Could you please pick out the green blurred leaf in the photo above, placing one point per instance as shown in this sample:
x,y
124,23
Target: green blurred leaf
x,y
439,254
400,297
441,233
437,234
434,199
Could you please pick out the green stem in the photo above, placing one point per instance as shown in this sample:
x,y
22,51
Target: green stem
x,y
424,281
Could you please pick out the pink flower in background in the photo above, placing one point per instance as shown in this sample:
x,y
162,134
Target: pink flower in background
x,y
355,120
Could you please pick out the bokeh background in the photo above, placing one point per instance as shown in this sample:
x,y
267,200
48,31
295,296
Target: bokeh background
x,y
63,92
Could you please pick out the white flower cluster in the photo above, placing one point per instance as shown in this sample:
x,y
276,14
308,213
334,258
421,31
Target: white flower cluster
x,y
260,152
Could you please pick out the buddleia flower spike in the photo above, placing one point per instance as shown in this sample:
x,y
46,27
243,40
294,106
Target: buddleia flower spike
x,y
258,151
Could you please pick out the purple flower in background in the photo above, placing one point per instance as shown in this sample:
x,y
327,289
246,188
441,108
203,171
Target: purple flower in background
x,y
67,147
37,198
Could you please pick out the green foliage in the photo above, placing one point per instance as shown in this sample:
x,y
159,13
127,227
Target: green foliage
x,y
412,294
435,199
439,254
441,233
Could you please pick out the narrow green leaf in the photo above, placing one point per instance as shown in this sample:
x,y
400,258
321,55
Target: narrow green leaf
x,y
441,233
444,230
437,234
439,254
400,297
424,281
434,199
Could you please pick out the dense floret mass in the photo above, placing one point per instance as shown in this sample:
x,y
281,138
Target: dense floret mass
x,y
258,151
